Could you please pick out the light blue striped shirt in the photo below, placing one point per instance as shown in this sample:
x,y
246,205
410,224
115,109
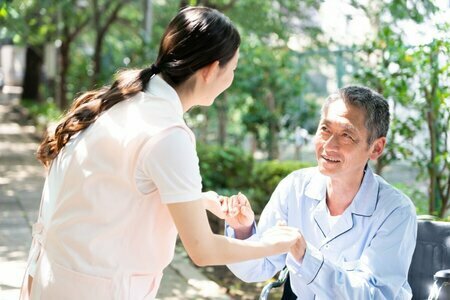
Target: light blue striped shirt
x,y
365,255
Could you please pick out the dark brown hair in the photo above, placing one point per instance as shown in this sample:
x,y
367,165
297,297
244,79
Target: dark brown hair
x,y
374,105
195,38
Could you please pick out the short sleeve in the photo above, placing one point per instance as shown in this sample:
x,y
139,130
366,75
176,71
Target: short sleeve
x,y
170,162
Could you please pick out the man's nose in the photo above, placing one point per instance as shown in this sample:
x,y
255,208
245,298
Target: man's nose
x,y
332,143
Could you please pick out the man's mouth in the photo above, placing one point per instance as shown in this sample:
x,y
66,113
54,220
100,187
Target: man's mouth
x,y
331,159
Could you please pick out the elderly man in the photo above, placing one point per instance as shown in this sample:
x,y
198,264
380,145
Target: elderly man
x,y
358,231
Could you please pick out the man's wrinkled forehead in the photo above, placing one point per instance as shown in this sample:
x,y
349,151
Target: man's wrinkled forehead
x,y
331,98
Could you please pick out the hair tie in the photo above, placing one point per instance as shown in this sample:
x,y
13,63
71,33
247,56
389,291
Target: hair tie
x,y
146,74
154,69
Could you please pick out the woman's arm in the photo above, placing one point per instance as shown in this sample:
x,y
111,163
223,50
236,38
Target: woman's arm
x,y
211,202
206,248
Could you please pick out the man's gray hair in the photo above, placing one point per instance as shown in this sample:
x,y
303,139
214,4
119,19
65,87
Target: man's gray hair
x,y
374,105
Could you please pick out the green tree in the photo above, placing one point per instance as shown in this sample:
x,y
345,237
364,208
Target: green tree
x,y
416,80
267,86
433,69
104,15
18,22
34,23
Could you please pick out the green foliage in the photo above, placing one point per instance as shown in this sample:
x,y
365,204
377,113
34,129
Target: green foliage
x,y
229,170
390,12
419,198
42,113
224,168
266,95
265,177
272,81
268,82
416,81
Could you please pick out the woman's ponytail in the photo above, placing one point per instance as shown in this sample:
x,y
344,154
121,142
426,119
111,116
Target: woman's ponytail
x,y
195,38
88,107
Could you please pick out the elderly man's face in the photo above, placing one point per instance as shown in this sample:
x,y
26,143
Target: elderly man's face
x,y
341,141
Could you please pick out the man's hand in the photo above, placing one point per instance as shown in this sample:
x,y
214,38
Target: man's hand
x,y
238,211
238,214
298,249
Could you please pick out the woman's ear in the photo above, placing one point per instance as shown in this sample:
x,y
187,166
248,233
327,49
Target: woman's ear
x,y
377,148
209,72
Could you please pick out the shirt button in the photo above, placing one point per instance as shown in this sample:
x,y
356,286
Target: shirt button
x,y
327,246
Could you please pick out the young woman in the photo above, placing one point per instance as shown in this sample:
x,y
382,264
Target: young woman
x,y
124,179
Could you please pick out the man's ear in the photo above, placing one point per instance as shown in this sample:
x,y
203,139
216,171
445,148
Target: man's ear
x,y
377,148
208,72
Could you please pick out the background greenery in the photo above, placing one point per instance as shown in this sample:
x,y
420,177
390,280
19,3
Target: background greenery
x,y
277,88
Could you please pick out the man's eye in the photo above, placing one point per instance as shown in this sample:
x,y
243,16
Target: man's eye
x,y
348,136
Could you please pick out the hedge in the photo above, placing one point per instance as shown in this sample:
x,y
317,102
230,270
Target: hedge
x,y
228,170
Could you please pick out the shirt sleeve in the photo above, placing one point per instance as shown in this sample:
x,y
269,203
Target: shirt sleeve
x,y
265,268
171,163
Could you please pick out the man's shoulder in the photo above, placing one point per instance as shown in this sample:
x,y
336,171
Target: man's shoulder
x,y
304,174
298,179
391,197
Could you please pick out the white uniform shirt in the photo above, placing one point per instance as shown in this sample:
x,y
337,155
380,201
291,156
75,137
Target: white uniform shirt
x,y
104,231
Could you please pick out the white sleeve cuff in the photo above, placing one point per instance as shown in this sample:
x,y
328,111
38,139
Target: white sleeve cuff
x,y
307,270
229,232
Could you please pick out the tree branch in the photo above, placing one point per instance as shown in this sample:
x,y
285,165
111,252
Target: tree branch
x,y
111,17
71,35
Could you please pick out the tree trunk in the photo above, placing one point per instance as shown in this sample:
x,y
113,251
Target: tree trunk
x,y
32,77
101,30
433,103
97,59
64,68
272,138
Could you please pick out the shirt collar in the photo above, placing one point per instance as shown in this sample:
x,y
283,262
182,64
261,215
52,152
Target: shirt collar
x,y
158,87
365,200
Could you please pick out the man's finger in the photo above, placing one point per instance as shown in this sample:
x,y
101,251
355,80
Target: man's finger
x,y
247,212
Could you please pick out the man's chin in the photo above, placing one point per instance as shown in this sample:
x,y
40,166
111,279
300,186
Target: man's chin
x,y
326,171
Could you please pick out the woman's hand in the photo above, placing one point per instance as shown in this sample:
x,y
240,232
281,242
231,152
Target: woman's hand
x,y
285,238
211,202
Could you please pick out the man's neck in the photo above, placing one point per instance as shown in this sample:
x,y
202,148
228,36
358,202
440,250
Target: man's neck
x,y
341,191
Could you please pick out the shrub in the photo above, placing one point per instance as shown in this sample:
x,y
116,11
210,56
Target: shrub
x,y
229,170
224,169
265,177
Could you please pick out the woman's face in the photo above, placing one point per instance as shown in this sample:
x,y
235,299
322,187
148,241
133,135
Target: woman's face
x,y
222,80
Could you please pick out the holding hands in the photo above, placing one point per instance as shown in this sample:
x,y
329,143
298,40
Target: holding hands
x,y
237,212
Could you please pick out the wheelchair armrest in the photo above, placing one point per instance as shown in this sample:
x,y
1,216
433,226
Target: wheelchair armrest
x,y
442,275
274,284
441,279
